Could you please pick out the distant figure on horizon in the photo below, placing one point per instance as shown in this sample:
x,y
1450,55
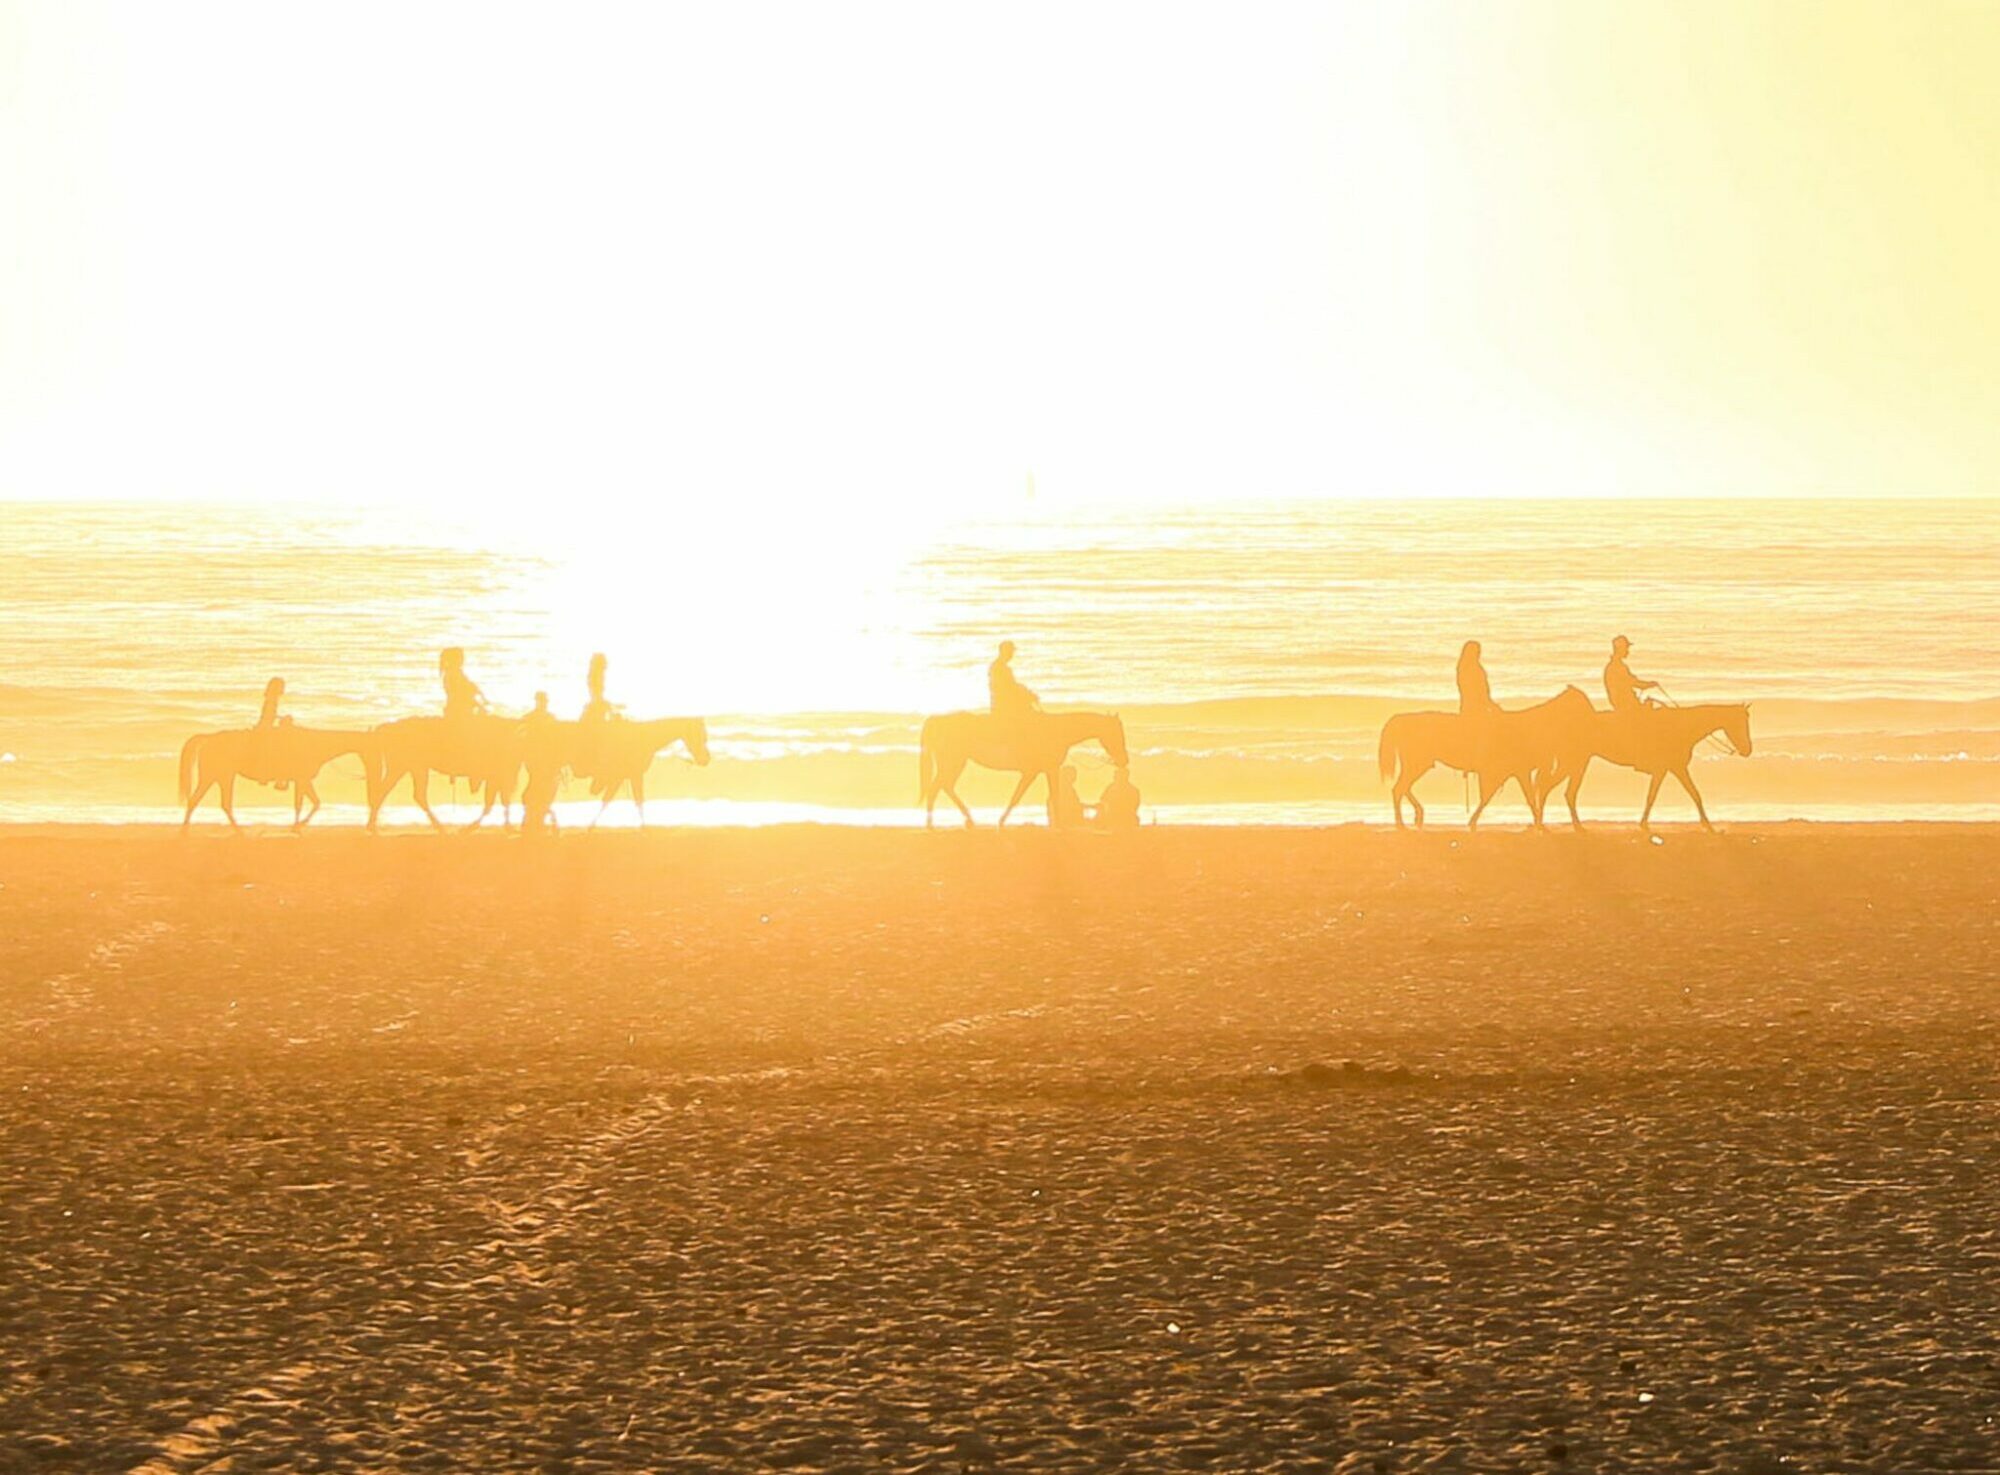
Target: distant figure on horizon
x,y
1008,698
1475,693
1621,687
1065,804
1118,805
462,696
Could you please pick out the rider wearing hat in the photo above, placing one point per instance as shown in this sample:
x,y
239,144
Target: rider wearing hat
x,y
1621,687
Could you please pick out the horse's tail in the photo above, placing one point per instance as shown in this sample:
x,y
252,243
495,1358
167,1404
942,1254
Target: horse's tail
x,y
927,763
190,751
1389,750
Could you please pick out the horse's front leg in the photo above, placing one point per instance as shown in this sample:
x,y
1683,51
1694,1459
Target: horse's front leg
x,y
1019,789
639,798
312,799
1687,782
1488,787
298,803
611,787
228,790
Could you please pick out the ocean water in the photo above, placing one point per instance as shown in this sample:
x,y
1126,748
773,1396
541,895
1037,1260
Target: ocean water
x,y
1253,650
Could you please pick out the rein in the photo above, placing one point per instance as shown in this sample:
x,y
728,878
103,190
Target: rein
x,y
1712,740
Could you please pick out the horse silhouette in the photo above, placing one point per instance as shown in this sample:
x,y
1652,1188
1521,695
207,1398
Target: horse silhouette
x,y
284,754
1496,746
1654,740
1032,744
487,751
616,754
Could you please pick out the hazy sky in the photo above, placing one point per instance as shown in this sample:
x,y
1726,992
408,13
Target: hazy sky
x,y
900,256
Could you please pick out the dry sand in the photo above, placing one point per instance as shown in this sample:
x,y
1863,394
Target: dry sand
x,y
852,1150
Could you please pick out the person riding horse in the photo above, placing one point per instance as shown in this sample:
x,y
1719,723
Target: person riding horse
x,y
593,723
1475,692
462,696
268,722
1621,687
1009,699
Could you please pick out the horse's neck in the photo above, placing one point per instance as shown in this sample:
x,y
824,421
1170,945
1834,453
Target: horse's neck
x,y
1701,721
1077,727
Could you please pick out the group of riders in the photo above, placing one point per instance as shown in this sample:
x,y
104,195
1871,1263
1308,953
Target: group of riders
x,y
470,740
1543,747
1550,746
1621,687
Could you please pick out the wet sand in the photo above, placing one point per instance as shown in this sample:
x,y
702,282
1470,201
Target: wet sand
x,y
862,1150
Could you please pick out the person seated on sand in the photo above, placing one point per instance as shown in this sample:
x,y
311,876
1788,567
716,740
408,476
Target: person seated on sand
x,y
1621,687
541,753
1008,698
1065,804
1118,805
462,696
1475,692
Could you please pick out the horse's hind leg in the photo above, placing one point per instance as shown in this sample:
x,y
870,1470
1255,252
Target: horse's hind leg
x,y
420,790
949,778
229,800
1532,793
202,785
639,799
1652,793
312,798
1406,788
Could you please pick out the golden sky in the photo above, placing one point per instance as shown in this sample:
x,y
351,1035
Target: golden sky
x,y
898,257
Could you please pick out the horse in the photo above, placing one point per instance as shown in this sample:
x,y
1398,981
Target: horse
x,y
617,753
485,749
284,754
1655,740
1033,745
1496,746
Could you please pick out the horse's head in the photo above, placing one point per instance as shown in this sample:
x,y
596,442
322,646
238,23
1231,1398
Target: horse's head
x,y
697,741
1736,727
1112,735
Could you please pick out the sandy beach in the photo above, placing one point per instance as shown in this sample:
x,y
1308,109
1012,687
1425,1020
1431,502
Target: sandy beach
x,y
854,1150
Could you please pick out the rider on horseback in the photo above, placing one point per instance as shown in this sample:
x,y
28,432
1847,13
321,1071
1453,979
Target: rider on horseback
x,y
1621,687
1010,700
268,721
597,713
462,696
1475,693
